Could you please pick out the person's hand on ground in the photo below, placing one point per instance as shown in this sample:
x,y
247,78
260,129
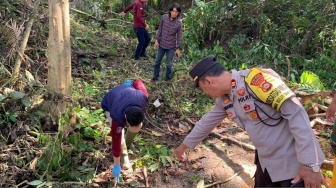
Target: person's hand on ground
x,y
116,170
179,152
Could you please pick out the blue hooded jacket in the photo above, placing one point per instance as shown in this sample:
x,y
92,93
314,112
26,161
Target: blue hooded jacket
x,y
119,99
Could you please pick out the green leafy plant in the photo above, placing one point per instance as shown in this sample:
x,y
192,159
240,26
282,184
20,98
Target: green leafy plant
x,y
311,80
152,155
60,157
91,122
10,94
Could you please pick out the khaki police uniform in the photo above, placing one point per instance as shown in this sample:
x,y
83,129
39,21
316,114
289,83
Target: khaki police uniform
x,y
284,138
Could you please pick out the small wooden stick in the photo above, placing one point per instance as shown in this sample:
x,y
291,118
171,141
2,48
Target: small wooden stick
x,y
145,175
224,181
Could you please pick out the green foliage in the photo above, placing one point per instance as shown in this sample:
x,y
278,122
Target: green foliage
x,y
152,155
60,157
311,79
90,121
327,173
200,22
7,99
87,90
8,117
309,83
241,34
265,32
12,95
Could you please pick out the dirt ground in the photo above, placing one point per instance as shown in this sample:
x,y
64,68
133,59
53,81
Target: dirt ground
x,y
213,161
219,162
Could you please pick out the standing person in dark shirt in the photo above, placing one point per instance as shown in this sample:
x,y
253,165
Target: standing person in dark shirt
x,y
168,40
123,106
140,27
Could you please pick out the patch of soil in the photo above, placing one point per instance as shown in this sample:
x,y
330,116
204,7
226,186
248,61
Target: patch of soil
x,y
213,161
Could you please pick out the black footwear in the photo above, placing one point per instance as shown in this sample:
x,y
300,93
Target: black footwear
x,y
138,60
144,57
154,81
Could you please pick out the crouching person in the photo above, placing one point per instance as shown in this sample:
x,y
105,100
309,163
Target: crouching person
x,y
123,107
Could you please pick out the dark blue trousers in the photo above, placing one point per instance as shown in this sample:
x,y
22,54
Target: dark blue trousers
x,y
143,41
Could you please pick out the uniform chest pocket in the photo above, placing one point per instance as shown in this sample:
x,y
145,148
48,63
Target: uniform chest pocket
x,y
232,115
265,114
249,109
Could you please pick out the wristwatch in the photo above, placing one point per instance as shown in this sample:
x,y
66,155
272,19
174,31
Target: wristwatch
x,y
314,167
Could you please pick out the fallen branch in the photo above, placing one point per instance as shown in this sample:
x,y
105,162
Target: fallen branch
x,y
317,115
88,15
224,181
327,100
324,108
145,176
145,131
120,20
191,122
154,124
320,121
245,146
288,67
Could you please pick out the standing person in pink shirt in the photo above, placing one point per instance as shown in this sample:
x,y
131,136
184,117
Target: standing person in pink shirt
x,y
140,27
168,40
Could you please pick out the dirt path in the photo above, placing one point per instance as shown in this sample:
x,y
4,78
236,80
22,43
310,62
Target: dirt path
x,y
212,161
215,161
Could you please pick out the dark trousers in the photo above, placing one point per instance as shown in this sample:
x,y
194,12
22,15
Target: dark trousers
x,y
143,41
169,57
262,179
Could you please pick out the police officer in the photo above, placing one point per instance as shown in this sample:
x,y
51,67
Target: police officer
x,y
277,124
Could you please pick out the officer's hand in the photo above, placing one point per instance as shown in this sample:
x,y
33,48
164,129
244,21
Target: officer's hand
x,y
116,170
122,14
128,83
179,152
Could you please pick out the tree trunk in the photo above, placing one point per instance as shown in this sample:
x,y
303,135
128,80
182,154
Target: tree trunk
x,y
59,57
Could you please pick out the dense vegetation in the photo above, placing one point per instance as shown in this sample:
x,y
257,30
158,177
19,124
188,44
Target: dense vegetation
x,y
296,38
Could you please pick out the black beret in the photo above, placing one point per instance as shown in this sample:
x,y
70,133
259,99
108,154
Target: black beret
x,y
202,67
